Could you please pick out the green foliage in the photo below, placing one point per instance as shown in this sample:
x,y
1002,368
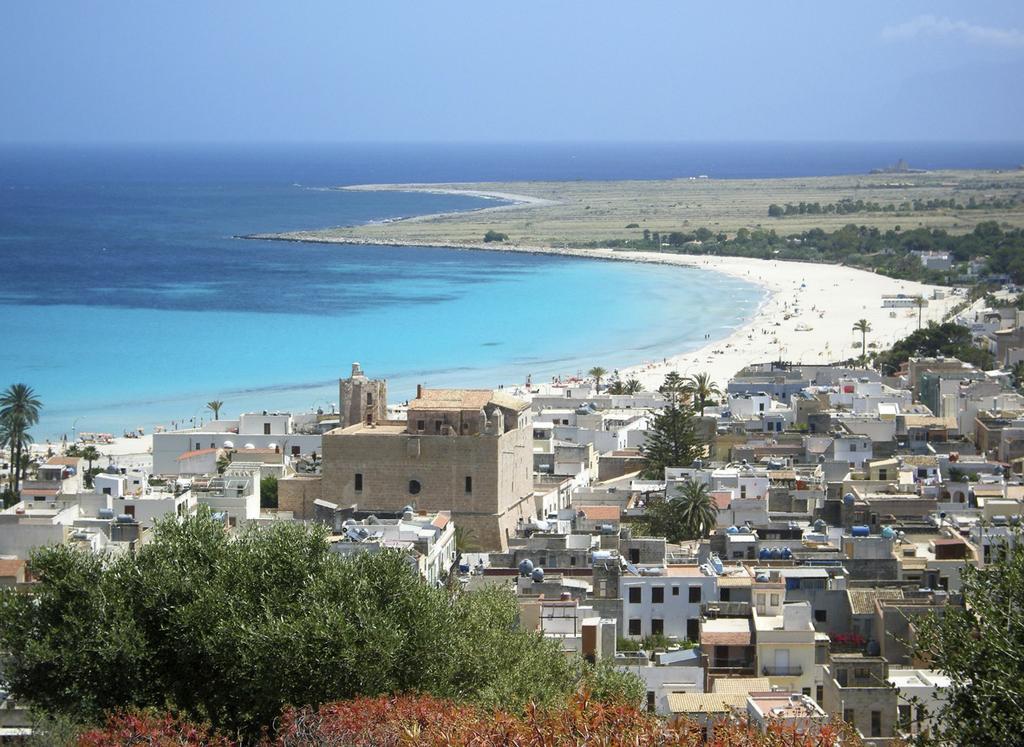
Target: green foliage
x,y
948,339
607,683
674,388
703,390
980,647
268,492
230,630
671,442
493,235
19,411
691,515
890,253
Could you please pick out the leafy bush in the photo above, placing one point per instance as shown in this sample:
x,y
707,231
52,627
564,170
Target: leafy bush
x,y
229,630
495,236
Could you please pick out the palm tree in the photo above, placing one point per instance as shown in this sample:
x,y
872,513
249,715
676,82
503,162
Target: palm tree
x,y
19,411
697,511
597,373
90,454
703,390
920,303
1017,375
632,386
616,387
214,407
863,326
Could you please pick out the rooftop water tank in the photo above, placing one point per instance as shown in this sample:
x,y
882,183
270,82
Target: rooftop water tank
x,y
888,532
776,553
606,529
764,554
125,519
537,575
463,567
819,525
848,499
861,531
787,554
525,567
105,513
732,530
716,563
763,577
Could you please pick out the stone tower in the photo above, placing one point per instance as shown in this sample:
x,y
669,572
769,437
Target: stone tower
x,y
362,400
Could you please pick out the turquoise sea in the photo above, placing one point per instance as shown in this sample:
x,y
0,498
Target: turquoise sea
x,y
125,301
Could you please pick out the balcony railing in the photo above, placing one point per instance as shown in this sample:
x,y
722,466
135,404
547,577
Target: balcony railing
x,y
790,671
731,664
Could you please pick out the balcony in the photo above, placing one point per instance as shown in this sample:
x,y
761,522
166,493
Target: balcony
x,y
791,671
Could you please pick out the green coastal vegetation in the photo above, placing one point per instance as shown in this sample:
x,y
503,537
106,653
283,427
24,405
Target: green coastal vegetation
x,y
895,253
231,629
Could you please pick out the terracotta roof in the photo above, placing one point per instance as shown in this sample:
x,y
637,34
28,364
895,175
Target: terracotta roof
x,y
742,685
722,498
451,399
40,491
197,452
441,520
705,702
464,399
862,601
601,513
9,567
726,632
64,460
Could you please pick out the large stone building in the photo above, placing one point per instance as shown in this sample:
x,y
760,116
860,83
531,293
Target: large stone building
x,y
468,451
360,399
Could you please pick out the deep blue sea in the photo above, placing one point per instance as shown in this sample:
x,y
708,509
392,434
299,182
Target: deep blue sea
x,y
125,301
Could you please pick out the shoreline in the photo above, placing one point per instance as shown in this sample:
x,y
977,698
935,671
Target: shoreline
x,y
798,294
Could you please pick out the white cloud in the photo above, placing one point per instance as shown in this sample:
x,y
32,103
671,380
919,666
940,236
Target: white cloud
x,y
930,26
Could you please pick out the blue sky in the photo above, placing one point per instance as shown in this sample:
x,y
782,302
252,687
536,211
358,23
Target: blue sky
x,y
562,70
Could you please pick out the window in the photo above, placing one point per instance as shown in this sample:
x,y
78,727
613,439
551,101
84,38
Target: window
x,y
806,691
420,425
266,429
775,600
657,626
469,484
130,510
848,715
213,446
883,474
693,629
634,594
820,616
657,594
904,715
853,448
414,487
634,555
572,560
819,694
634,626
106,491
650,701
694,594
437,426
675,591
359,481
861,673
297,450
369,398
743,491
876,723
198,446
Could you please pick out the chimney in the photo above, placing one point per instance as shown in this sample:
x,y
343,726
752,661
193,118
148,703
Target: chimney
x,y
419,391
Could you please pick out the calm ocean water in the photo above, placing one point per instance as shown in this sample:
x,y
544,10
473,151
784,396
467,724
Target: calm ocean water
x,y
125,302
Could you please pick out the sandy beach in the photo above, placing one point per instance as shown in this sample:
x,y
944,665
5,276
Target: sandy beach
x,y
822,303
